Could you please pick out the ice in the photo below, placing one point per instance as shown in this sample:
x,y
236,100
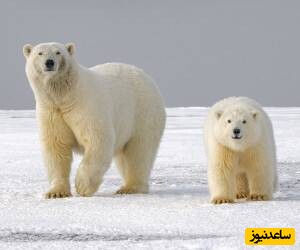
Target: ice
x,y
175,215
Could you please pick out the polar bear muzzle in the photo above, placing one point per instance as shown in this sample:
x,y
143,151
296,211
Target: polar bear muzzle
x,y
49,65
236,134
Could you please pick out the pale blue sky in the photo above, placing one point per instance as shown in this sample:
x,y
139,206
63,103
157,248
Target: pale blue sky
x,y
197,51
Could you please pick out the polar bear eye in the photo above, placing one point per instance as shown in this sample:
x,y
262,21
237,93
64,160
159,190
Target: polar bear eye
x,y
244,121
229,121
57,53
40,53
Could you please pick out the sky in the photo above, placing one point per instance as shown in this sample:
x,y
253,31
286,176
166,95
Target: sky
x,y
197,51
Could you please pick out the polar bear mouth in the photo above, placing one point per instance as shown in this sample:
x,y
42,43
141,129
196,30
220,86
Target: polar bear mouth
x,y
49,70
237,137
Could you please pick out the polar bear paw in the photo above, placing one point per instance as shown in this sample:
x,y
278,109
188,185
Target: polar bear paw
x,y
132,190
242,195
86,185
221,200
259,197
58,192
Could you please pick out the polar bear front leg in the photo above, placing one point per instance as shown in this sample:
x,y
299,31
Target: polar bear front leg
x,y
58,162
242,186
259,182
221,176
57,140
98,153
91,170
221,184
260,176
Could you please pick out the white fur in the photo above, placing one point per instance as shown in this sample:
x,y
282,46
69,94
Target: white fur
x,y
110,110
240,168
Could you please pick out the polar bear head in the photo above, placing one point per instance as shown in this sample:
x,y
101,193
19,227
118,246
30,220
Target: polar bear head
x,y
238,128
47,61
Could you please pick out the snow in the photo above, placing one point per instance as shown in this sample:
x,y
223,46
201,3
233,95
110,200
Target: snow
x,y
175,215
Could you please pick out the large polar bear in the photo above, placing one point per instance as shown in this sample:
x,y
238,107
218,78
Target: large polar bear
x,y
241,153
110,110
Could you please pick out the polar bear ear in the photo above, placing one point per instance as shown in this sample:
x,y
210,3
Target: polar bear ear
x,y
254,114
70,48
27,48
218,114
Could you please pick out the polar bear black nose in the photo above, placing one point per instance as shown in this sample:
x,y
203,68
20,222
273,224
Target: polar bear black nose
x,y
236,131
49,63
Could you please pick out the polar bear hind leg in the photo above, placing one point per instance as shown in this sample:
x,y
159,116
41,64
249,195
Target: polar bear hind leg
x,y
135,163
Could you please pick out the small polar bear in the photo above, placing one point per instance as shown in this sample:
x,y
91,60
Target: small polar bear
x,y
240,148
109,110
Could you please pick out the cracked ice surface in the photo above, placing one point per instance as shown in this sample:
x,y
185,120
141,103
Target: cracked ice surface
x,y
175,215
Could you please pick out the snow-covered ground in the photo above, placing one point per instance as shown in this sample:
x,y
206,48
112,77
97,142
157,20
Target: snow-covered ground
x,y
175,215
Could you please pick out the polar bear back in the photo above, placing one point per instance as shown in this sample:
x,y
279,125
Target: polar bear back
x,y
135,100
130,76
128,83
